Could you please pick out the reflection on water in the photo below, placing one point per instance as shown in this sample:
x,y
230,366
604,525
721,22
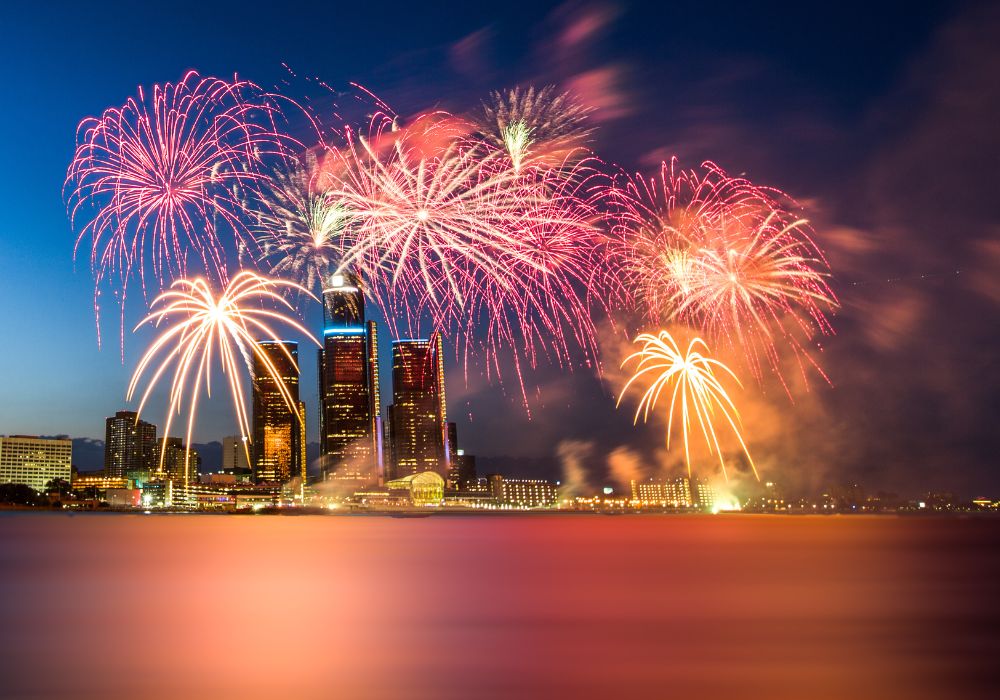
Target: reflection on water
x,y
121,606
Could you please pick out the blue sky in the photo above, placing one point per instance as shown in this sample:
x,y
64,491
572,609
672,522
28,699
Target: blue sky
x,y
841,106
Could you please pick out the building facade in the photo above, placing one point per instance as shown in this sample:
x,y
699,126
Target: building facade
x,y
235,453
522,493
350,404
34,461
129,445
676,492
418,419
175,462
278,447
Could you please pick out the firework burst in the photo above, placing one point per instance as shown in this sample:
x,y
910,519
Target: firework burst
x,y
697,397
449,233
157,179
725,256
537,127
300,223
201,327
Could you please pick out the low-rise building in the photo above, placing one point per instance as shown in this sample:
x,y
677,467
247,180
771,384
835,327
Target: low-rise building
x,y
522,493
35,461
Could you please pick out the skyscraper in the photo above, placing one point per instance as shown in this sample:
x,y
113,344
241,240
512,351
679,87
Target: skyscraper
x,y
129,445
418,419
179,464
234,453
277,431
350,406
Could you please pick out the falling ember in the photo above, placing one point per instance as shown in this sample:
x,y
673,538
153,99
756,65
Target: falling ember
x,y
696,394
200,326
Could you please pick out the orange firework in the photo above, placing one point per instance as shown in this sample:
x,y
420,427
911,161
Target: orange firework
x,y
203,324
726,256
695,391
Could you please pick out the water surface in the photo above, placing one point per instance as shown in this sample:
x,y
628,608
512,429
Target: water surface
x,y
128,606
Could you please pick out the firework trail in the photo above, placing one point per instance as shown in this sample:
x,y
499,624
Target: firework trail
x,y
696,394
158,178
726,256
536,127
300,224
445,231
200,327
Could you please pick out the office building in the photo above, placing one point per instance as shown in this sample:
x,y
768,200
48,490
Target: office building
x,y
417,421
34,461
278,415
674,492
350,404
522,493
461,466
129,445
235,454
175,462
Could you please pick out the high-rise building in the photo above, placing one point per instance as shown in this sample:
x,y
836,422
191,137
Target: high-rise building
x,y
277,447
235,453
34,461
350,405
129,444
175,462
418,419
464,467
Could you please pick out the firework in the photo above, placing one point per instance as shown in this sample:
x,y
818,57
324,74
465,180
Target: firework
x,y
300,223
199,328
725,256
535,126
446,232
157,179
696,394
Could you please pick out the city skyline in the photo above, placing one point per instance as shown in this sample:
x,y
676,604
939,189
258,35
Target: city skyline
x,y
892,292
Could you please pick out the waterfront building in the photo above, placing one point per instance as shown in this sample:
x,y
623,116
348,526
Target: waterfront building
x,y
129,445
99,482
175,462
350,404
522,493
422,489
674,492
235,454
34,461
278,446
123,498
418,418
704,496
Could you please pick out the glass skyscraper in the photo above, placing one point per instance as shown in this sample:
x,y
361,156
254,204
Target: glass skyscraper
x,y
278,433
417,417
350,405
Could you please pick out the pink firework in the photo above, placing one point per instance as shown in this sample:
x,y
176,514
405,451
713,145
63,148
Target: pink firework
x,y
448,233
725,256
158,180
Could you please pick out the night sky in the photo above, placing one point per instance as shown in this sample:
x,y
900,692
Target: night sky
x,y
881,120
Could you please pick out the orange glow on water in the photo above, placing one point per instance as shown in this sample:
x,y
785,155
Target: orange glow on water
x,y
122,606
